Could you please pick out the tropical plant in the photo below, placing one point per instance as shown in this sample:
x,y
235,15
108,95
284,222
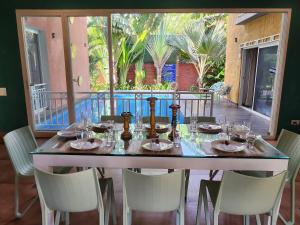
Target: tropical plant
x,y
159,50
98,50
140,73
130,54
203,45
130,32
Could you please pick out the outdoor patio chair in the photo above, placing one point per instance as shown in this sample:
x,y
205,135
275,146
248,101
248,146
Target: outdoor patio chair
x,y
19,143
153,193
289,144
238,194
158,119
76,192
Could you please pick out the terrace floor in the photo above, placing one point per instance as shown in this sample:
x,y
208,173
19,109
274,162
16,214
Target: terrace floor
x,y
33,217
259,124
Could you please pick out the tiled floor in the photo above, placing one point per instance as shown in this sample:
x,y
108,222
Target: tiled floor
x,y
34,215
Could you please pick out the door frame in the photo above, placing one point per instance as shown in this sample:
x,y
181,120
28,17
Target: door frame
x,y
65,13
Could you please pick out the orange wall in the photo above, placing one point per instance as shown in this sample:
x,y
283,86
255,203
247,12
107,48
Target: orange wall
x,y
263,26
78,36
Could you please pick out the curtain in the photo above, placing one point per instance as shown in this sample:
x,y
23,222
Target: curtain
x,y
249,76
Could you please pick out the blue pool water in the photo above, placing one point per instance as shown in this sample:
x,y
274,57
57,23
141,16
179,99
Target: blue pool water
x,y
94,108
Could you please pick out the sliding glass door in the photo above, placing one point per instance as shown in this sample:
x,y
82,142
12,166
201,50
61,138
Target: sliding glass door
x,y
258,75
90,66
46,74
265,76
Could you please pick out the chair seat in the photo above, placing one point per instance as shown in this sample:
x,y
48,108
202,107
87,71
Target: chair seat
x,y
213,189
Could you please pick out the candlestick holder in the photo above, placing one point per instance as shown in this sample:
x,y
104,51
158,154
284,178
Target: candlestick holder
x,y
126,135
152,131
174,108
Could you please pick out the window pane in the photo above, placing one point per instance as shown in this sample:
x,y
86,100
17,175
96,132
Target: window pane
x,y
46,71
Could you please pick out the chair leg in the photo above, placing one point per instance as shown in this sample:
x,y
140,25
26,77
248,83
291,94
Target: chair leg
x,y
246,220
57,218
18,213
67,218
291,220
206,209
113,204
216,218
258,221
187,179
198,214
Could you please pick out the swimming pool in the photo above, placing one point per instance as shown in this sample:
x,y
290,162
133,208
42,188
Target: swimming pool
x,y
94,107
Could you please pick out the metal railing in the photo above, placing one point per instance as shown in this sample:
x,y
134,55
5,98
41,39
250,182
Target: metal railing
x,y
96,104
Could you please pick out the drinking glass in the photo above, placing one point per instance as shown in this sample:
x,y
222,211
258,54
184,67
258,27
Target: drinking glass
x,y
193,124
109,136
138,124
251,138
176,139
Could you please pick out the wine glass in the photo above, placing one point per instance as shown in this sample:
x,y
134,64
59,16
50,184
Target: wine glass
x,y
250,139
109,136
176,139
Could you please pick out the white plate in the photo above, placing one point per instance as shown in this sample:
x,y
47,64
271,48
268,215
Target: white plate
x,y
210,126
68,133
84,145
232,146
163,145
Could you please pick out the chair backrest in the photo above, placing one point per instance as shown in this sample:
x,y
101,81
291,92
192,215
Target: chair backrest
x,y
153,193
201,119
117,119
19,143
289,144
158,119
75,192
247,195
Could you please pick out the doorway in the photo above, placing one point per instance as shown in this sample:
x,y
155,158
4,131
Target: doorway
x,y
258,75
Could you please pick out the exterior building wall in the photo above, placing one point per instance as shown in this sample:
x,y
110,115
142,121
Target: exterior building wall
x,y
56,66
52,29
186,75
260,27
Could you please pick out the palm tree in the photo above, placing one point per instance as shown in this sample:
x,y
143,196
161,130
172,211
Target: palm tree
x,y
159,50
203,45
130,53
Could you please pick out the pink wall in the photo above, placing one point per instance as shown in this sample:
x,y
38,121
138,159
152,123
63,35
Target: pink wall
x,y
80,57
56,67
52,28
186,75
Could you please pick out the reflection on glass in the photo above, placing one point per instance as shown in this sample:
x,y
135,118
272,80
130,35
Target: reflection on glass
x,y
264,87
90,67
47,76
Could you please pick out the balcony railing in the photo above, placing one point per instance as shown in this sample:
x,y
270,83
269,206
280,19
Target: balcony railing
x,y
96,104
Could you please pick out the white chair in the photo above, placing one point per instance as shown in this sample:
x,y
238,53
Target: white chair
x,y
75,192
239,194
289,144
19,143
153,193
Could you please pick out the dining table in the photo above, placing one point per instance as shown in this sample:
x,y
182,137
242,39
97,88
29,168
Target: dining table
x,y
194,152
